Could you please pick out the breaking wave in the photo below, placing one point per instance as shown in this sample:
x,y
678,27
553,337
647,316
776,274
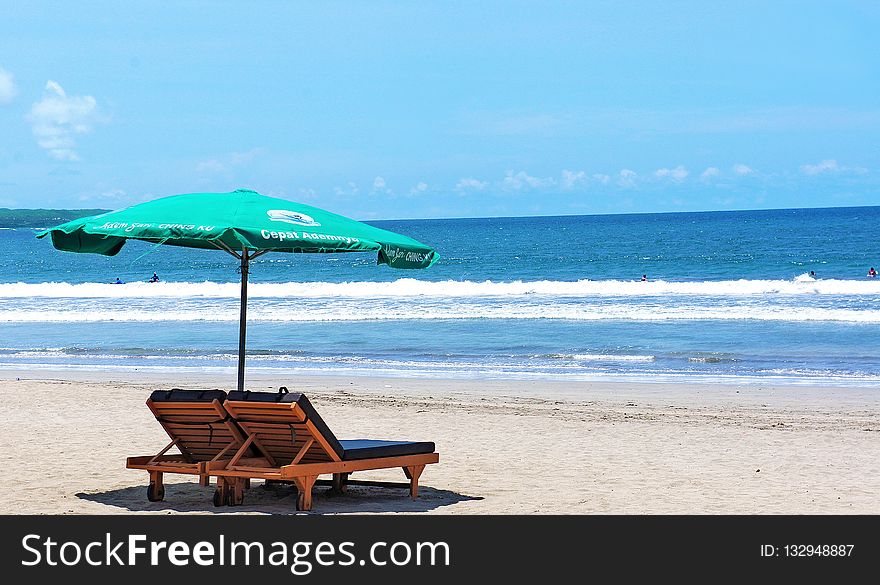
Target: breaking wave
x,y
414,312
410,287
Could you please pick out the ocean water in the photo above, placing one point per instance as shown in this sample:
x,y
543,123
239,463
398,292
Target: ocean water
x,y
728,297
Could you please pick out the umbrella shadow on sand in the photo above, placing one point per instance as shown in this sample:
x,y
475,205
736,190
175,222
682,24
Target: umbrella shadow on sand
x,y
280,499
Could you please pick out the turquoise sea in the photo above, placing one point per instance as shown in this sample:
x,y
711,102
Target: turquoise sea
x,y
729,296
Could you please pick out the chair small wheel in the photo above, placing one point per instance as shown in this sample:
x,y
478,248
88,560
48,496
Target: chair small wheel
x,y
154,493
218,498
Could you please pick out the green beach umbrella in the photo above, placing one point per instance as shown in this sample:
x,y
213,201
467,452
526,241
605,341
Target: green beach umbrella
x,y
244,224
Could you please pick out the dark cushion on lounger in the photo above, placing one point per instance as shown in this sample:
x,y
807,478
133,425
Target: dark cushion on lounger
x,y
302,401
368,449
347,450
178,395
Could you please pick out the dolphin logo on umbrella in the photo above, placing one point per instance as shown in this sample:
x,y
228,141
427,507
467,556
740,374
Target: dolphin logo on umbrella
x,y
293,217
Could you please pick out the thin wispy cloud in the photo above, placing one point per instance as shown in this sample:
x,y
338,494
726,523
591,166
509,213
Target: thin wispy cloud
x,y
210,166
510,124
572,179
522,181
419,188
678,174
228,162
380,186
830,166
107,197
826,166
58,118
710,173
470,184
627,178
725,121
8,90
307,194
350,190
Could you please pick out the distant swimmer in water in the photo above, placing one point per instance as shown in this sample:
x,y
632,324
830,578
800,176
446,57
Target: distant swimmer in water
x,y
644,277
154,278
871,272
812,274
118,281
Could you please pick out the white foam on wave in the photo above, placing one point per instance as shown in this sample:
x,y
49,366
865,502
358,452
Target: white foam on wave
x,y
458,311
780,377
805,277
604,357
411,287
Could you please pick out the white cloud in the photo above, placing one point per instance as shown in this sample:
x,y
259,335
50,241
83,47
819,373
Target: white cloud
x,y
626,178
228,162
604,179
380,186
351,190
510,124
709,173
239,158
114,194
522,180
571,179
470,184
307,193
109,195
743,170
830,166
826,166
7,86
420,187
57,118
678,174
210,166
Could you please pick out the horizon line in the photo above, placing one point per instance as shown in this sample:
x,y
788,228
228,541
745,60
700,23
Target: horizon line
x,y
595,214
627,213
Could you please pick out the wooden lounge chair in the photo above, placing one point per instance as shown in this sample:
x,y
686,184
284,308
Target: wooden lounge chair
x,y
295,445
199,427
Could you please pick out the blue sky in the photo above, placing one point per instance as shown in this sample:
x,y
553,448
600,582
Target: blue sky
x,y
443,109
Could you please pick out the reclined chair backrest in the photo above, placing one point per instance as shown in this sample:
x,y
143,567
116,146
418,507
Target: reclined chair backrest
x,y
285,426
197,420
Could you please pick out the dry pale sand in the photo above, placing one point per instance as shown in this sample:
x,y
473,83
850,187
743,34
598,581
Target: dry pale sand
x,y
506,447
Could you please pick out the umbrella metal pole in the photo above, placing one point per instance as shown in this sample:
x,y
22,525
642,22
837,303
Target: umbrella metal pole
x,y
242,323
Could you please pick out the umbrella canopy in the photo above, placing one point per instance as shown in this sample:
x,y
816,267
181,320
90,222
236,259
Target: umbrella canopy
x,y
244,224
241,220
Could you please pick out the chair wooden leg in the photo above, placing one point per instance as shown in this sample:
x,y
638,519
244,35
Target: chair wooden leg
x,y
339,482
204,478
412,474
221,494
156,489
304,491
237,491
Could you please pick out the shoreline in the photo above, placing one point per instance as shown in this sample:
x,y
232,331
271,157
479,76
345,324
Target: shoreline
x,y
805,394
506,447
222,374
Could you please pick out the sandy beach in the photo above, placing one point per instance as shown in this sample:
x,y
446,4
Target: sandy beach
x,y
506,447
